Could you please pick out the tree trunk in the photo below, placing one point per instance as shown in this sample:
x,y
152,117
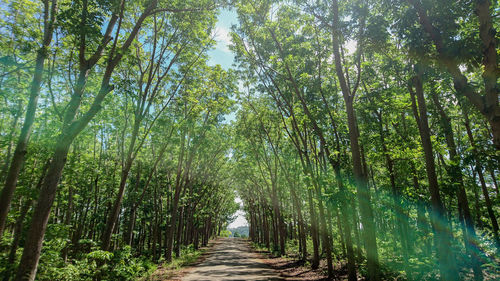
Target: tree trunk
x,y
301,228
169,233
32,248
363,194
324,233
447,265
180,227
495,183
265,227
361,182
277,233
314,231
456,174
401,220
484,189
489,206
10,139
20,222
351,265
29,119
486,104
67,219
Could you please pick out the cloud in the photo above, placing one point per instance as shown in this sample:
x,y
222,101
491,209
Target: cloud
x,y
239,221
222,38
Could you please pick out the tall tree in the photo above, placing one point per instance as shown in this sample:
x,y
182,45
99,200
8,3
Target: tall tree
x,y
50,10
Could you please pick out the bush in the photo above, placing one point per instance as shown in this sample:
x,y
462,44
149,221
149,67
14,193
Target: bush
x,y
97,264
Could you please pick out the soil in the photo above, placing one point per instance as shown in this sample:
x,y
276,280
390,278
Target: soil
x,y
232,259
236,259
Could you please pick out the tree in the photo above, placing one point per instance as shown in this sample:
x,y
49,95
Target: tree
x,y
49,23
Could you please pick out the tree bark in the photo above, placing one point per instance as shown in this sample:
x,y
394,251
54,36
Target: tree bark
x,y
20,222
115,211
495,183
456,174
17,113
324,233
22,142
33,245
169,233
447,264
71,129
484,189
401,220
363,193
486,104
314,231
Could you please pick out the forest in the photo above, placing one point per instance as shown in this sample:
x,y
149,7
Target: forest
x,y
362,136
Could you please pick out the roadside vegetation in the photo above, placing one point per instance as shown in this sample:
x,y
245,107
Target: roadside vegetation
x,y
362,136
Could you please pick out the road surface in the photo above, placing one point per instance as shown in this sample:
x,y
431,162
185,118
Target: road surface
x,y
232,259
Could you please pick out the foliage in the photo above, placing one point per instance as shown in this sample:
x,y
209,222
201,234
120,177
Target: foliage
x,y
364,132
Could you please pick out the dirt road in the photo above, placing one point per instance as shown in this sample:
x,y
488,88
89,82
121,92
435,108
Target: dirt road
x,y
232,259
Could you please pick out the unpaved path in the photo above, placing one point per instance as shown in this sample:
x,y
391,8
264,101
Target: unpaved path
x,y
232,259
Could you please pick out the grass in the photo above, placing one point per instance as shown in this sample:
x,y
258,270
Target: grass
x,y
188,257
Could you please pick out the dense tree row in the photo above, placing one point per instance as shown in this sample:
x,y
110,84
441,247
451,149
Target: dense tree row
x,y
368,135
114,146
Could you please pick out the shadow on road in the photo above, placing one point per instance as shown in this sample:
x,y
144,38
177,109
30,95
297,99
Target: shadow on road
x,y
232,259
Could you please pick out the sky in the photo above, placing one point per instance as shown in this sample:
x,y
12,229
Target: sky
x,y
240,219
223,56
221,53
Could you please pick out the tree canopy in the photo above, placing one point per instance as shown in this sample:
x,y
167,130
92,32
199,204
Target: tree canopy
x,y
362,136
